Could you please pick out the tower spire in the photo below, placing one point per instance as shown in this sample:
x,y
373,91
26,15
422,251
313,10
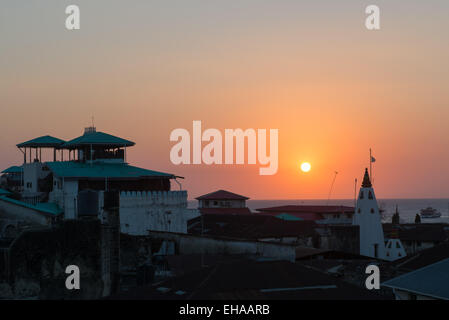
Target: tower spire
x,y
366,180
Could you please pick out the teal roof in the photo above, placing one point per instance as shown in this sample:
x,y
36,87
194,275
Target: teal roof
x,y
13,169
288,217
72,169
48,208
42,142
4,192
432,281
97,138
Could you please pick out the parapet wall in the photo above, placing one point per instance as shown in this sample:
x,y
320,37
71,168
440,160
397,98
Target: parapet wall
x,y
162,198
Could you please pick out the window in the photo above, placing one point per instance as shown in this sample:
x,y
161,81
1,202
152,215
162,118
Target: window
x,y
372,210
358,210
206,203
370,195
398,246
376,247
361,194
412,296
29,185
215,203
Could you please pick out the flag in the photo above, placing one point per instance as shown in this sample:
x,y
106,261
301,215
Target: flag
x,y
373,159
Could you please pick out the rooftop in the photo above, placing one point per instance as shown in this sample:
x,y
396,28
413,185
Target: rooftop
x,y
250,226
424,258
13,169
4,192
97,138
47,208
42,142
250,279
433,232
222,195
431,281
74,169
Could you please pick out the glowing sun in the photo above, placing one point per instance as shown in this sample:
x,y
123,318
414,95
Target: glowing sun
x,y
305,167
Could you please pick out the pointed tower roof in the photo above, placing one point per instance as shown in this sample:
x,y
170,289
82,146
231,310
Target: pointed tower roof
x,y
366,180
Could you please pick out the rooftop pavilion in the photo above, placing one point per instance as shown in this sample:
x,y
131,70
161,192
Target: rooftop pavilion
x,y
44,142
92,145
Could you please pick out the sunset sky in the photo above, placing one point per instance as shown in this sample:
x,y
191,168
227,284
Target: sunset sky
x,y
310,69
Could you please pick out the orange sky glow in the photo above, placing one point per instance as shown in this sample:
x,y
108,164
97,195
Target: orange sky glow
x,y
332,88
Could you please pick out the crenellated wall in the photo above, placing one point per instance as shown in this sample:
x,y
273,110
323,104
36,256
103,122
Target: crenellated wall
x,y
167,198
154,210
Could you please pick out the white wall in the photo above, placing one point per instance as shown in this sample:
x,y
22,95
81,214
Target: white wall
x,y
32,172
189,244
66,197
158,210
367,217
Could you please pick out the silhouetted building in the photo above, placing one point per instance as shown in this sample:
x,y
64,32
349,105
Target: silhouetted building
x,y
222,201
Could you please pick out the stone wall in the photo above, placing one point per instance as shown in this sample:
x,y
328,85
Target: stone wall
x,y
339,238
33,266
190,244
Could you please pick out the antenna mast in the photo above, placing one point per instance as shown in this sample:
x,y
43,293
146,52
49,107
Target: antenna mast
x,y
332,186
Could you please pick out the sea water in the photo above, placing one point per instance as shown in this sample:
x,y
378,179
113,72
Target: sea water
x,y
408,208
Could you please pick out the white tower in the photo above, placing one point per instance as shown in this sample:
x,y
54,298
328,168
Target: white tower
x,y
367,217
394,248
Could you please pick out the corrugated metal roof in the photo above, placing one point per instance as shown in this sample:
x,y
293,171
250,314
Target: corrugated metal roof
x,y
13,169
72,169
48,208
432,281
222,195
42,142
4,192
275,280
98,138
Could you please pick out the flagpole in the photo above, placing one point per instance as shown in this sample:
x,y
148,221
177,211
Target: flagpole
x,y
370,166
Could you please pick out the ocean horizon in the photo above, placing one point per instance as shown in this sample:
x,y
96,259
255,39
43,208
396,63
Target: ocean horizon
x,y
408,208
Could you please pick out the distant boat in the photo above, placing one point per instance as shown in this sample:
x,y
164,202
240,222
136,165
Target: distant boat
x,y
429,212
